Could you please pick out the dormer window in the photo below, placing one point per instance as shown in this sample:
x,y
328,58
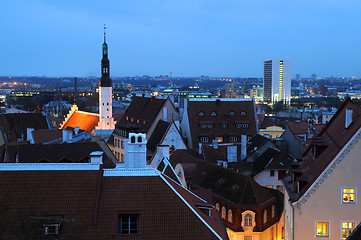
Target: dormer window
x,y
51,229
230,216
201,114
243,113
231,114
248,219
213,114
265,216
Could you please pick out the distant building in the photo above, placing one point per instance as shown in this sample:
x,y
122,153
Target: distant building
x,y
277,81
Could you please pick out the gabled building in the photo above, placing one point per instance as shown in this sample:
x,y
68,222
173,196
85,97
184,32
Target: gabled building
x,y
225,120
143,116
165,134
248,210
321,197
297,136
90,201
13,126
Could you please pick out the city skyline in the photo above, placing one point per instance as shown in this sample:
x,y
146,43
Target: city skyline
x,y
192,38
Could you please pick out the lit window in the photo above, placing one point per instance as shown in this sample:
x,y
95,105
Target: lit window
x,y
273,212
347,228
223,213
265,216
269,186
349,195
128,224
247,237
280,188
322,229
217,207
248,220
230,216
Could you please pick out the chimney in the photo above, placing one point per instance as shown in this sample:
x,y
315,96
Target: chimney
x,y
348,119
29,135
76,130
67,135
200,149
215,143
243,146
135,150
232,153
75,85
96,157
165,117
162,152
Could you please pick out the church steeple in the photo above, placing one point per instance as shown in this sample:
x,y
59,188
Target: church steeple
x,y
105,80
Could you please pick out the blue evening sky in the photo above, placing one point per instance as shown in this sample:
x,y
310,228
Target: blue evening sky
x,y
191,37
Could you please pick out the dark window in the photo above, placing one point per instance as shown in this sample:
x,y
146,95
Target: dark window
x,y
128,224
213,113
272,173
132,139
231,113
139,139
201,114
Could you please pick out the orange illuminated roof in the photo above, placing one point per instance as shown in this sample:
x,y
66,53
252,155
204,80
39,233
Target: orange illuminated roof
x,y
86,121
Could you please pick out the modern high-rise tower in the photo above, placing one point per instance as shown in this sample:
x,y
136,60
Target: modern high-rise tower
x,y
277,81
106,120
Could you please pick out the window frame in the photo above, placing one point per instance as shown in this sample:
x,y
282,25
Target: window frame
x,y
341,227
127,215
253,220
342,192
328,228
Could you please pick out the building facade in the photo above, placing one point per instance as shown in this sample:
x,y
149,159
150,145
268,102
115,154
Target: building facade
x,y
277,81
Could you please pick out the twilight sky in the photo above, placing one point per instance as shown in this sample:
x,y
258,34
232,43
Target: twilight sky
x,y
191,37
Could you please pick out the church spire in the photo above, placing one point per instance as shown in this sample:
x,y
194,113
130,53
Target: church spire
x,y
105,80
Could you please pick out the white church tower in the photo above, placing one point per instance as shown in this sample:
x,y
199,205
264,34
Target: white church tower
x,y
106,120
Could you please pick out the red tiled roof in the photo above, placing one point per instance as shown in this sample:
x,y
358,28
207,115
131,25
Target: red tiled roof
x,y
90,204
15,125
298,127
86,121
222,108
143,109
43,136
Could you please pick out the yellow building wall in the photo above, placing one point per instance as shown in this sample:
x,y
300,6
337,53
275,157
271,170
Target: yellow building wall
x,y
272,131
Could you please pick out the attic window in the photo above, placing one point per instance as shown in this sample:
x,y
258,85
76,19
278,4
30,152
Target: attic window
x,y
201,114
51,229
243,113
231,113
213,114
348,119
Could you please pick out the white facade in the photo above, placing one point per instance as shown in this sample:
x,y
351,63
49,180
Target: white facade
x,y
106,120
277,81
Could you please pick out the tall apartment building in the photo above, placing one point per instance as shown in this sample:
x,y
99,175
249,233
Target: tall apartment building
x,y
277,81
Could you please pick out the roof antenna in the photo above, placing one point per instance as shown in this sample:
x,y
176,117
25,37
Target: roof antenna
x,y
104,33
